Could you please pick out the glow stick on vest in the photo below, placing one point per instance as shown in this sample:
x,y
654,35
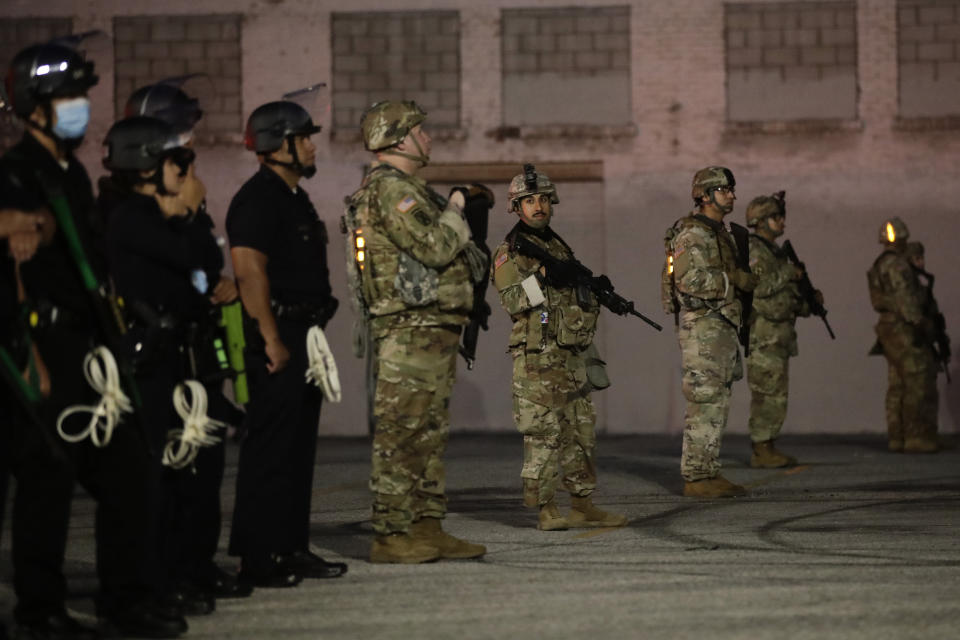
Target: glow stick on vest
x,y
359,243
670,263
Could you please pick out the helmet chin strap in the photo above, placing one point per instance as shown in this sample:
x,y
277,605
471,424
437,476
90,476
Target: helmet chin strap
x,y
296,166
713,200
422,159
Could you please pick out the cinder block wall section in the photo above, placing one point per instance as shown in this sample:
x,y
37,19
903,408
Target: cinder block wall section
x,y
557,61
928,57
148,49
396,55
791,61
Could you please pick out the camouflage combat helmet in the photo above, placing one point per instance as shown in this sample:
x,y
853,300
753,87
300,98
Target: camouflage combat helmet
x,y
893,230
710,178
763,207
387,123
522,186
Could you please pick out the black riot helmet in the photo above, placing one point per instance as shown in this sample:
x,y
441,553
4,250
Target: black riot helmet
x,y
142,143
168,102
270,124
275,122
45,71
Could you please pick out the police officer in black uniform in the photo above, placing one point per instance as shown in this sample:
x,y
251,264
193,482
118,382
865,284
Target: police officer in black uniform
x,y
200,490
29,452
47,86
163,259
279,252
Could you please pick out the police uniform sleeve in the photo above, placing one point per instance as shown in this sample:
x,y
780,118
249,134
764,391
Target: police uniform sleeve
x,y
695,273
773,275
516,283
417,227
250,224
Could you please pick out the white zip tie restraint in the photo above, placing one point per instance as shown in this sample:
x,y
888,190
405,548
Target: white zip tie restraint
x,y
184,444
102,374
322,369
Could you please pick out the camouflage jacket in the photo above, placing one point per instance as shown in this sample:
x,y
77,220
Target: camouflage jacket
x,y
703,252
555,316
776,297
895,290
414,272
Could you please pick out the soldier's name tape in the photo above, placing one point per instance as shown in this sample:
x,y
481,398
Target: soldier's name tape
x,y
322,368
100,369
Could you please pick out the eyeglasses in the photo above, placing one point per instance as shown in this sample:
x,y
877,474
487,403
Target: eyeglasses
x,y
725,189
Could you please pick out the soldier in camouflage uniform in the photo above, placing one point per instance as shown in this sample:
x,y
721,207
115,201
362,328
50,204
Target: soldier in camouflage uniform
x,y
553,326
773,339
905,333
414,279
700,283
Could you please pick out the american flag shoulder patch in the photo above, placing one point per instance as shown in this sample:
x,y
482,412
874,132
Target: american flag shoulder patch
x,y
500,260
406,204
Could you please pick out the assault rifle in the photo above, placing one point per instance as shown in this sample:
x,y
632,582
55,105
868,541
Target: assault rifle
x,y
807,291
941,341
741,237
479,200
574,274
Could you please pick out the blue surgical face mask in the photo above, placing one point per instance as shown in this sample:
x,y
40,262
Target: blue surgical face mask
x,y
71,118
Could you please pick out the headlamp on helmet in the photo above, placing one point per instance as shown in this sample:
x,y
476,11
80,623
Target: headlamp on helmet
x,y
529,183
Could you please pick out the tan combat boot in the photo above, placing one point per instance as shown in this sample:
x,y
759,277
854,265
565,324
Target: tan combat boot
x,y
429,530
401,548
549,518
895,445
920,445
766,456
718,487
584,514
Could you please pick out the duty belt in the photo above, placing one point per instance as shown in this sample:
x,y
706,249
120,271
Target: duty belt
x,y
305,312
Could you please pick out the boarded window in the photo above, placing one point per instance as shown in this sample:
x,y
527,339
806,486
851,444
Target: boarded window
x,y
148,49
791,61
557,61
928,57
403,55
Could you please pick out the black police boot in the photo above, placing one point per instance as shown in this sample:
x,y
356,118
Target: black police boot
x,y
220,583
140,620
268,572
58,626
190,600
310,565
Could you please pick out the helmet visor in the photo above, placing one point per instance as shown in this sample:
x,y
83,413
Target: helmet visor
x,y
314,99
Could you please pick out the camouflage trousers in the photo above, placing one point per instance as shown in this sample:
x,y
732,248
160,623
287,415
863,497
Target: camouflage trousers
x,y
556,417
710,358
912,397
416,367
768,374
